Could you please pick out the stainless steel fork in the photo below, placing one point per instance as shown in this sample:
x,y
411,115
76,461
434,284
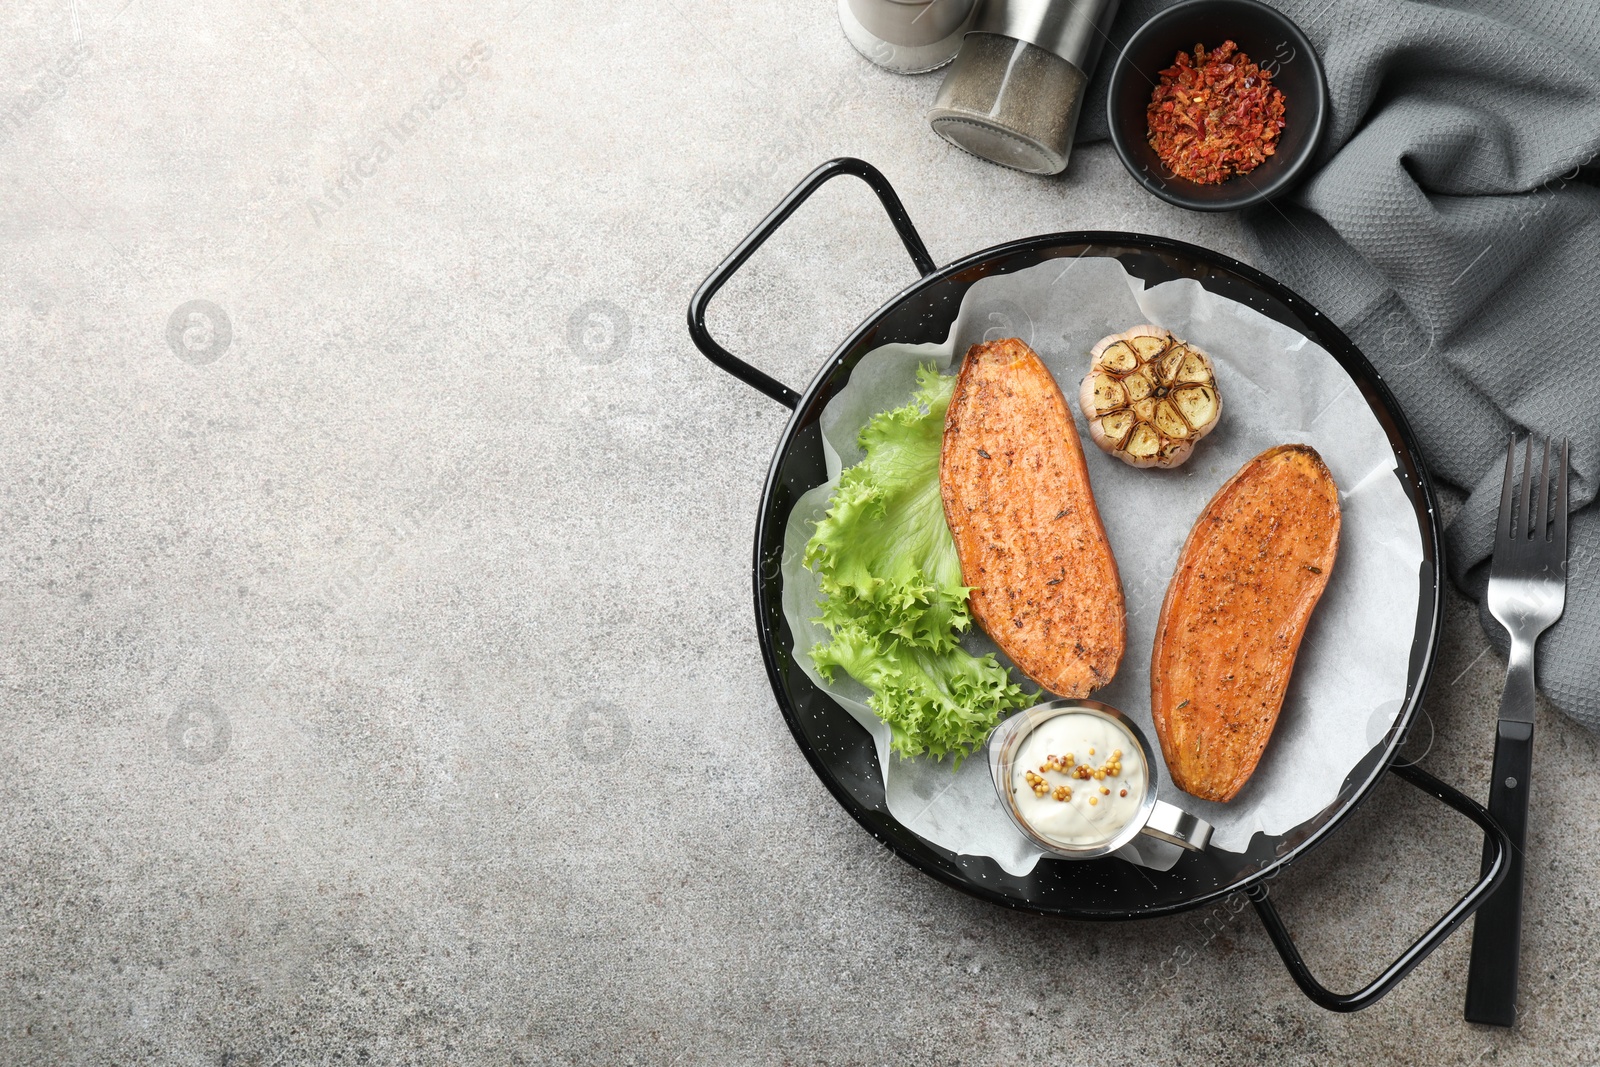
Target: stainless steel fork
x,y
1527,592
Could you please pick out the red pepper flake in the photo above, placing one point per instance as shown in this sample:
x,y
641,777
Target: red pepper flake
x,y
1214,115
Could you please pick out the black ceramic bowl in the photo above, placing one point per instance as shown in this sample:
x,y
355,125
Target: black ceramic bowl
x,y
1267,37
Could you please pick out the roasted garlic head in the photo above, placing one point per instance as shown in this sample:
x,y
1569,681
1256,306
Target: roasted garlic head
x,y
1149,397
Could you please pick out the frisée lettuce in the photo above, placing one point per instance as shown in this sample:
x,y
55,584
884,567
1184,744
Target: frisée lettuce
x,y
894,606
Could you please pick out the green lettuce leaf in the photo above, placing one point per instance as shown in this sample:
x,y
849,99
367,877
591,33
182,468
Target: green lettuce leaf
x,y
894,606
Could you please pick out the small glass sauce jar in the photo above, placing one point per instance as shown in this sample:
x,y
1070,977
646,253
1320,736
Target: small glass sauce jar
x,y
1078,778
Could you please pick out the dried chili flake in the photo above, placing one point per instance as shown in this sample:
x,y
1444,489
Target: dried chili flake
x,y
1214,115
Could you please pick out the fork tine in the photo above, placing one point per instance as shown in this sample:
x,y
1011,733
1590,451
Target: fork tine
x,y
1504,524
1558,521
1541,514
1524,524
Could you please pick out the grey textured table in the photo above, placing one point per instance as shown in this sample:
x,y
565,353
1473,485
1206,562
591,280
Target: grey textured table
x,y
378,673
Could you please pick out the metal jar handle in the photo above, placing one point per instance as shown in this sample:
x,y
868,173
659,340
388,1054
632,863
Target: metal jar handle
x,y
737,367
1496,848
1172,824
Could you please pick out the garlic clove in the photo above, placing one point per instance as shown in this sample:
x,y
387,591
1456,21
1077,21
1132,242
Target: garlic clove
x,y
1196,368
1198,404
1117,424
1148,346
1119,359
1109,394
1144,443
1169,422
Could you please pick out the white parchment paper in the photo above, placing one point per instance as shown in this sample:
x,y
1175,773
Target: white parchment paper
x,y
1277,387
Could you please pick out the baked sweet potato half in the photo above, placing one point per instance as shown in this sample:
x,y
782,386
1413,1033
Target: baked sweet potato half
x,y
1249,575
1032,547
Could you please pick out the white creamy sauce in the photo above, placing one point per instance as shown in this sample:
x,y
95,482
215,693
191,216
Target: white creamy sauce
x,y
1097,808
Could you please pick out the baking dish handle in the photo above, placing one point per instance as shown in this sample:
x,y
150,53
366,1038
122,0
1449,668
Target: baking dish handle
x,y
1498,847
727,268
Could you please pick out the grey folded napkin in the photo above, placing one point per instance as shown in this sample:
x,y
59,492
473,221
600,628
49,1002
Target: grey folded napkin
x,y
1453,231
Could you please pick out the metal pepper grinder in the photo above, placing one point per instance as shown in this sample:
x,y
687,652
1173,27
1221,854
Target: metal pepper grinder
x,y
1015,90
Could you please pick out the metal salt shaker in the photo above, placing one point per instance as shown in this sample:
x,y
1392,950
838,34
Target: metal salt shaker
x,y
907,36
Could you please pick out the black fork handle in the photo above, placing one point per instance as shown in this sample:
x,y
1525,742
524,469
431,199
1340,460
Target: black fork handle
x,y
737,367
1497,847
1493,967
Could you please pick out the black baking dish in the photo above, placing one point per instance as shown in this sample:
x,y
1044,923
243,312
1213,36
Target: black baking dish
x,y
842,753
